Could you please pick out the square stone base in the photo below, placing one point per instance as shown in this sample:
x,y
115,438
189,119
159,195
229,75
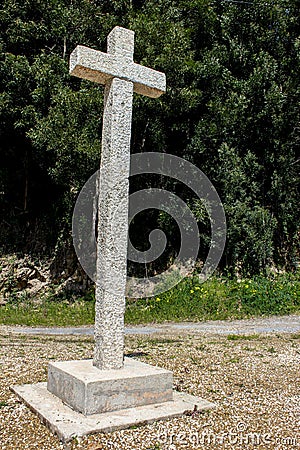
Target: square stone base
x,y
67,423
89,390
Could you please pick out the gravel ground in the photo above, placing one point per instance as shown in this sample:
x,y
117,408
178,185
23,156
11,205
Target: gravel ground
x,y
253,379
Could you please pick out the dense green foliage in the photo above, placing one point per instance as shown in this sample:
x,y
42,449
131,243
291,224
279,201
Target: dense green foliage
x,y
232,108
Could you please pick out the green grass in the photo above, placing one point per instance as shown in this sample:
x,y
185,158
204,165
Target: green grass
x,y
295,336
217,298
48,313
242,337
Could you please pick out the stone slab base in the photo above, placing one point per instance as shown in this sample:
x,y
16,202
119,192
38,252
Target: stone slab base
x,y
67,423
89,390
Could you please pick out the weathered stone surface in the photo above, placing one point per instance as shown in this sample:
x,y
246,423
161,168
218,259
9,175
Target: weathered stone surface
x,y
91,391
67,423
121,77
101,67
113,225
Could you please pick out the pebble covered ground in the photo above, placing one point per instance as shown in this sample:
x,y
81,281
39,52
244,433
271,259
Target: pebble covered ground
x,y
254,381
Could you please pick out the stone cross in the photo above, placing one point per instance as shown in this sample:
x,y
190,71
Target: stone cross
x,y
121,77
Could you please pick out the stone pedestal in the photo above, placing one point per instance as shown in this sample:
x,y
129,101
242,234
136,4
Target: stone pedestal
x,y
80,399
89,390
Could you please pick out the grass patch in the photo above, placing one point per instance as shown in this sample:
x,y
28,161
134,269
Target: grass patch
x,y
219,299
48,313
233,360
242,337
295,336
216,299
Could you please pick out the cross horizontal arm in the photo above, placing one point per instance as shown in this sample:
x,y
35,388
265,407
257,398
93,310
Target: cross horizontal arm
x,y
100,67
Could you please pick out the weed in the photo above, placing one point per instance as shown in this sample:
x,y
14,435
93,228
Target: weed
x,y
242,337
213,391
201,348
195,360
295,336
234,360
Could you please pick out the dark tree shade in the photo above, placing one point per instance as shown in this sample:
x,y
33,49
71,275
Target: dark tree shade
x,y
231,108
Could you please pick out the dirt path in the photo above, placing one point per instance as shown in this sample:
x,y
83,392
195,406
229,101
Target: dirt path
x,y
274,324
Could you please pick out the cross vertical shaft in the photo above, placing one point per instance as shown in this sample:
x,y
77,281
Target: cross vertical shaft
x,y
121,77
113,225
113,211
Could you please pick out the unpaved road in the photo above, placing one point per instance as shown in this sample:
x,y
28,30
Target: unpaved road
x,y
274,324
